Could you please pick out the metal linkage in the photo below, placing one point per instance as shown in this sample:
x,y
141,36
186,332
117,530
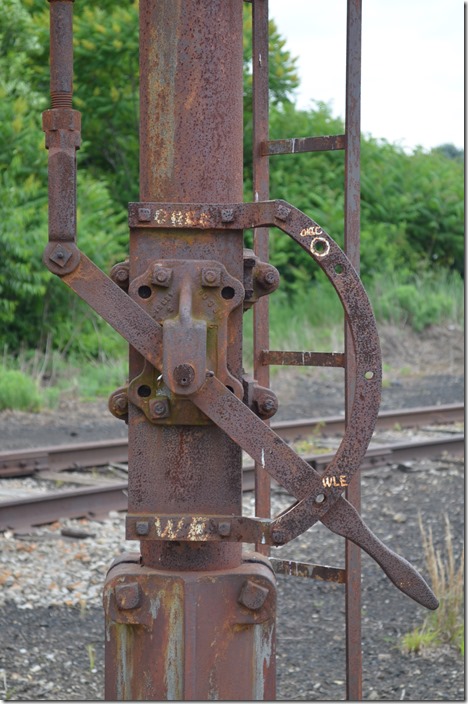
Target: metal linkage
x,y
192,617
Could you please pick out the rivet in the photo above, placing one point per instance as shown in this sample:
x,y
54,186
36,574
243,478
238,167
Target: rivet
x,y
282,212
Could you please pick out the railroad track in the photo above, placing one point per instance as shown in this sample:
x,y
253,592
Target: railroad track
x,y
96,500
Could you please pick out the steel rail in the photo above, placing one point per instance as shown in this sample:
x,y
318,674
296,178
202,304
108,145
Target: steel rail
x,y
100,453
97,500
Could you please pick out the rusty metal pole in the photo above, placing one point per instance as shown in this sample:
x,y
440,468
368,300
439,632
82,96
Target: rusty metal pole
x,y
187,620
352,249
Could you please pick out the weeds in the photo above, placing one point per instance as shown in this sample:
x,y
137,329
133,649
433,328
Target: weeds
x,y
446,624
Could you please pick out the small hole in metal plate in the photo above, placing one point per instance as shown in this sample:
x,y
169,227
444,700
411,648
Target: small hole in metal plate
x,y
320,498
227,293
144,391
369,375
144,292
339,269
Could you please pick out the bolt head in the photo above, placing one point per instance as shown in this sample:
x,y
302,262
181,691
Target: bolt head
x,y
144,214
142,527
278,537
211,277
227,215
60,255
224,529
128,596
282,212
161,276
159,408
253,595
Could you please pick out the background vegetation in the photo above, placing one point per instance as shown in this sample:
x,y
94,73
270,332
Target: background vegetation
x,y
412,204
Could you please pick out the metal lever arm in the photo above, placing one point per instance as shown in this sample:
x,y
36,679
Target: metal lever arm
x,y
292,472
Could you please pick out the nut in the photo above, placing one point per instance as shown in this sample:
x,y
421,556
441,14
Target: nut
x,y
161,276
224,528
211,277
253,595
60,255
159,407
278,537
128,596
142,527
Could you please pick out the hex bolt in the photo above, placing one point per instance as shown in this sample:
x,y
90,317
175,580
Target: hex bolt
x,y
184,374
142,527
159,408
278,537
253,595
161,276
120,403
128,596
211,277
224,529
267,405
121,275
268,277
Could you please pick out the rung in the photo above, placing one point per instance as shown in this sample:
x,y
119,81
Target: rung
x,y
306,569
303,144
303,359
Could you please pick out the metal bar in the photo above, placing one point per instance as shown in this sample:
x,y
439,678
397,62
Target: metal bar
x,y
352,248
261,186
301,145
291,568
303,359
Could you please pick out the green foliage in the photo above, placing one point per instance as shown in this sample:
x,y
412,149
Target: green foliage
x,y
412,204
18,391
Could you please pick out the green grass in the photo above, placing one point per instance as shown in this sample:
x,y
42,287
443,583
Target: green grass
x,y
312,320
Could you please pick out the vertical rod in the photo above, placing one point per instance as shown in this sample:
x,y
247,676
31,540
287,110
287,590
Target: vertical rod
x,y
352,242
61,53
261,234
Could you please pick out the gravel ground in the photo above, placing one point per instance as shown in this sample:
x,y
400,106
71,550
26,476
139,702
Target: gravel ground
x,y
51,617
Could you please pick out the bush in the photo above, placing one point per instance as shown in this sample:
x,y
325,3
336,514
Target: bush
x,y
18,391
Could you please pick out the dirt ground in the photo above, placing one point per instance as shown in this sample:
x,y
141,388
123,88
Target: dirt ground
x,y
45,652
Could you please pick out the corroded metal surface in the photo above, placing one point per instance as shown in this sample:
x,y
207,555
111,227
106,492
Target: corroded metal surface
x,y
215,633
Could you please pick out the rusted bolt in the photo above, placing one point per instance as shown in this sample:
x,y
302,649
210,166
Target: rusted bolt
x,y
128,596
184,374
282,212
159,408
227,215
268,405
224,529
144,214
267,276
253,595
161,276
120,275
142,527
278,537
211,277
60,255
118,403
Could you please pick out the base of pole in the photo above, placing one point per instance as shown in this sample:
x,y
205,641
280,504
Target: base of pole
x,y
190,635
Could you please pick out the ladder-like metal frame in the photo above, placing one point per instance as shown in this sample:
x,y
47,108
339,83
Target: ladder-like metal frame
x,y
263,148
